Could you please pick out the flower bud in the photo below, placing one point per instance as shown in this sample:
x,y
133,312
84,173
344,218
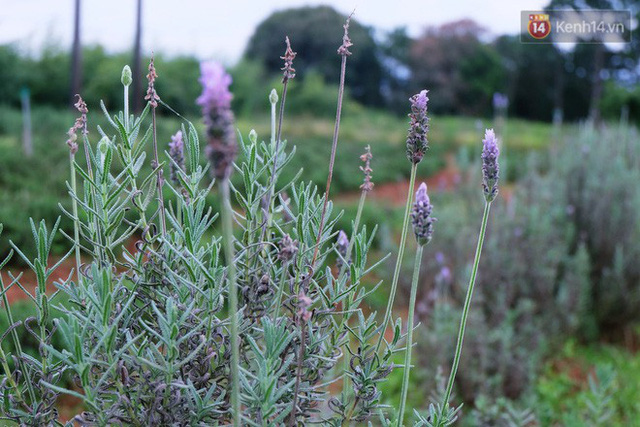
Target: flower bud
x,y
103,145
273,96
342,246
253,136
126,78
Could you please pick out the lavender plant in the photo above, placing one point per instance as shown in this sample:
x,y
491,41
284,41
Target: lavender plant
x,y
195,325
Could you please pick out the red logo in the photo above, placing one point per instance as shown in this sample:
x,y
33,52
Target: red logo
x,y
539,26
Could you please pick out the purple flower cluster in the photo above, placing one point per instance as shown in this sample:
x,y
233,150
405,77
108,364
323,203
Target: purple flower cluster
x,y
500,101
421,218
215,87
342,246
176,152
367,185
288,249
79,125
417,143
215,101
289,55
490,167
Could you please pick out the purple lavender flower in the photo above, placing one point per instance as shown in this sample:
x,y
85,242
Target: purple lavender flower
x,y
152,95
421,218
215,101
500,101
417,143
289,55
79,124
215,87
342,246
288,249
367,185
490,167
176,152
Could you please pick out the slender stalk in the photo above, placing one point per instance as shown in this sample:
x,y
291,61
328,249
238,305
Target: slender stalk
x,y
16,342
407,356
334,146
126,107
227,225
343,269
465,311
74,207
283,281
163,224
9,374
356,225
296,391
275,140
273,123
403,241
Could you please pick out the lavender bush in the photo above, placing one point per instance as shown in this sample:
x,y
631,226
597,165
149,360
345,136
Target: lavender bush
x,y
249,322
561,265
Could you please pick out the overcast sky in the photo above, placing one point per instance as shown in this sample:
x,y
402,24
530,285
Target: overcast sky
x,y
220,29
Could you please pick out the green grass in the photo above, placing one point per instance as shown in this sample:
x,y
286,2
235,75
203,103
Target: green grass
x,y
34,187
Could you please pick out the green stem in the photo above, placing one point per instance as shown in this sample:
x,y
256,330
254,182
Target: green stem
x,y
74,207
227,225
410,316
396,272
345,316
163,223
126,108
283,281
465,311
9,375
16,342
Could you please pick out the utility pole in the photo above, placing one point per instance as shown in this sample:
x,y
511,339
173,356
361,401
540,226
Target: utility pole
x,y
76,57
137,67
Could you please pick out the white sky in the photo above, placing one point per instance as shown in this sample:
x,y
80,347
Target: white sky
x,y
220,29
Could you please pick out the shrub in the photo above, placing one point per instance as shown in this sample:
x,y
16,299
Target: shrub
x,y
193,325
561,264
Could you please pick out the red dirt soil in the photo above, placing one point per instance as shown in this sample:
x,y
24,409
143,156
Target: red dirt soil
x,y
395,193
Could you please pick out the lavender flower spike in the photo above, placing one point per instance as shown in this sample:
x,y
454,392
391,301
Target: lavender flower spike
x,y
490,167
417,142
421,216
176,152
215,101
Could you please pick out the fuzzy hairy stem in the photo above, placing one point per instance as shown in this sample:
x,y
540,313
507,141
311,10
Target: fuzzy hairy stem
x,y
334,147
16,342
299,362
283,282
410,316
465,311
396,271
126,107
227,225
163,224
343,269
74,207
272,179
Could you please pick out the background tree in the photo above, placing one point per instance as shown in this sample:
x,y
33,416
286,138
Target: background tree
x,y
312,37
461,72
